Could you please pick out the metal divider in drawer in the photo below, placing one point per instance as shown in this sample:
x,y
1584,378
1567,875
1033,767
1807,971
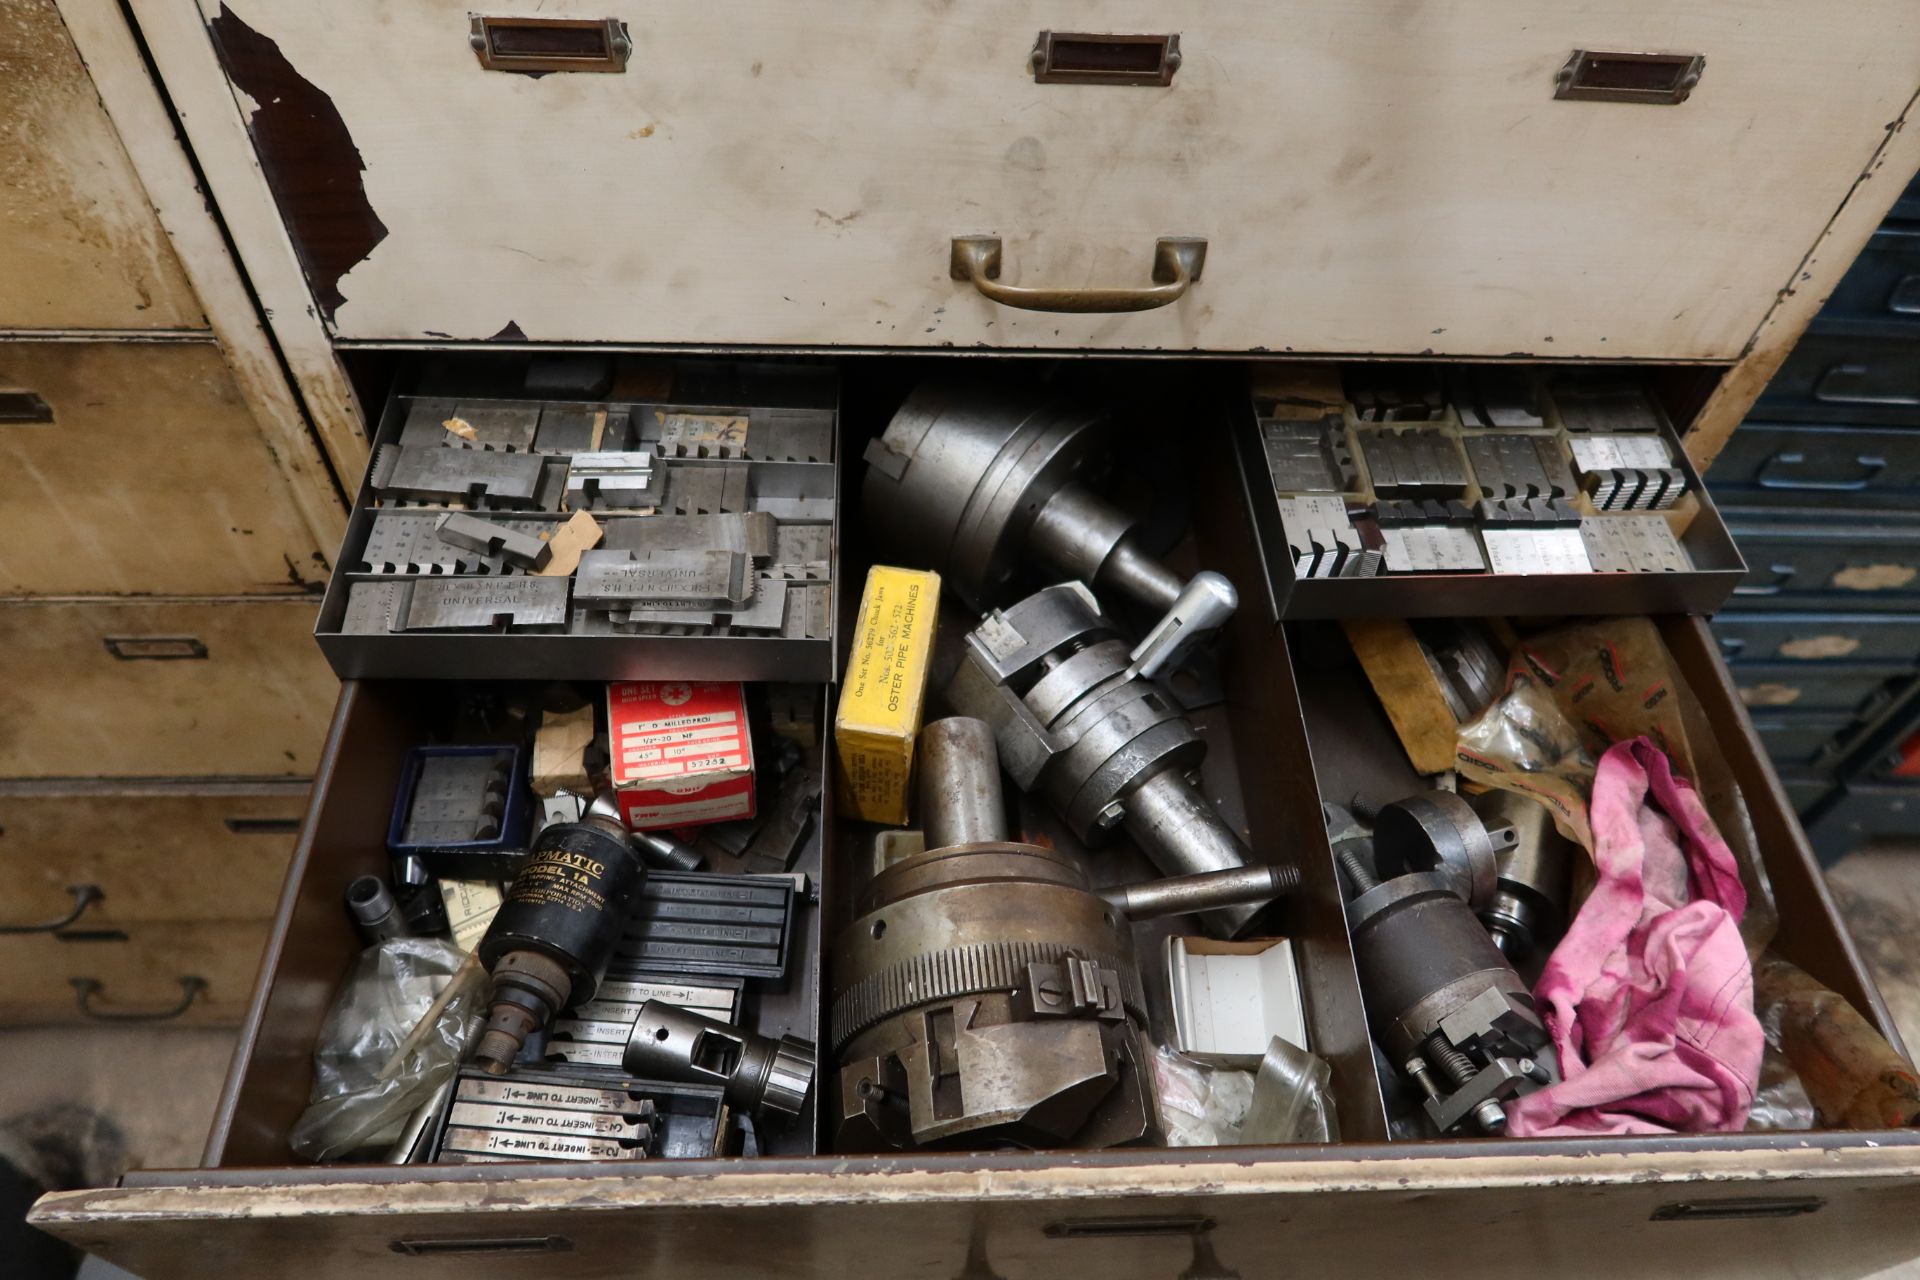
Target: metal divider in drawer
x,y
1801,558
1848,464
1809,637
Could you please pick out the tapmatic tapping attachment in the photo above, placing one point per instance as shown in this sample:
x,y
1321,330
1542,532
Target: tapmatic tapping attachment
x,y
555,932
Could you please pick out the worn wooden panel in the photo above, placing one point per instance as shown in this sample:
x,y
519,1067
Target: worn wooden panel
x,y
213,849
1372,176
176,39
80,247
138,969
152,477
254,705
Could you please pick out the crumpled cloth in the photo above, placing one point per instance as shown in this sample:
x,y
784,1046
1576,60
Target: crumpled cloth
x,y
1649,997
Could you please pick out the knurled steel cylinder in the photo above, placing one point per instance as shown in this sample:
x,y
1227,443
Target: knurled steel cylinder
x,y
952,922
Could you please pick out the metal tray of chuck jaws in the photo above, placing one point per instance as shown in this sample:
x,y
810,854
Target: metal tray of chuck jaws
x,y
715,485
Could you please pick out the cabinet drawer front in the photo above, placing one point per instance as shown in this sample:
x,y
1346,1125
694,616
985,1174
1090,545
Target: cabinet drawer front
x,y
1804,559
173,974
1795,464
141,470
1607,1212
1852,688
1819,637
203,850
203,688
1883,285
1367,178
80,246
1844,377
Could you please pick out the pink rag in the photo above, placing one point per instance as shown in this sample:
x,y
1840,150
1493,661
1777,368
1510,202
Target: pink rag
x,y
1649,997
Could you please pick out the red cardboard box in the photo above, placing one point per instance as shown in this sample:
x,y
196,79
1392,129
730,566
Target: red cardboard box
x,y
681,752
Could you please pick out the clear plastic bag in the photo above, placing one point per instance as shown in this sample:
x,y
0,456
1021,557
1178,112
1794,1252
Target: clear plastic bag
x,y
1200,1105
1280,1098
1574,691
369,1074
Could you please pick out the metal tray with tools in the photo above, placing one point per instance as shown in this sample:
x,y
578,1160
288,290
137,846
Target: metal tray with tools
x,y
1403,492
712,493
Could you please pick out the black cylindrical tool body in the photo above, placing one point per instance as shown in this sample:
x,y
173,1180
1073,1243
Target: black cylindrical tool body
x,y
570,902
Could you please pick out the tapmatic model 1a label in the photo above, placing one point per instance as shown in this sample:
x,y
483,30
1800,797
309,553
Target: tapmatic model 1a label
x,y
564,878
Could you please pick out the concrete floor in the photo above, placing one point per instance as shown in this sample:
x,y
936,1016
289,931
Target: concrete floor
x,y
160,1086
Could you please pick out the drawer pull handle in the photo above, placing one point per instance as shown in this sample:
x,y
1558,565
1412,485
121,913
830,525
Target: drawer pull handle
x,y
17,405
263,826
551,44
1825,391
482,1244
1719,1210
1176,265
1782,575
1793,458
1664,79
87,990
1061,57
1904,298
155,648
1086,1228
84,896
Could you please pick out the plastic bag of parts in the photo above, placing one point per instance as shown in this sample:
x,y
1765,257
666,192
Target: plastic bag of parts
x,y
1571,693
364,1089
1854,1078
1200,1105
1278,1099
1780,1104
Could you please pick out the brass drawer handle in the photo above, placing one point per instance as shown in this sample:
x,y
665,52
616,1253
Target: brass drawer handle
x,y
482,1244
84,896
550,44
1176,265
1737,1209
86,990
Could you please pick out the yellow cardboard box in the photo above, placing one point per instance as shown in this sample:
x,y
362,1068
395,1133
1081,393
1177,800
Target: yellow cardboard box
x,y
883,692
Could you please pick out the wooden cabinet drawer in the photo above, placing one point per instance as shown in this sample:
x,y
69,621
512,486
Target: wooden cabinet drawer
x,y
199,974
206,849
1368,177
211,687
1835,1203
80,245
140,468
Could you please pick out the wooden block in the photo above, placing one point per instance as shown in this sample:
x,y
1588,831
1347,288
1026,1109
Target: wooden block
x,y
1408,689
558,746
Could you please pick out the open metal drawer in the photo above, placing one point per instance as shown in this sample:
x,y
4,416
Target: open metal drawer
x,y
1831,1203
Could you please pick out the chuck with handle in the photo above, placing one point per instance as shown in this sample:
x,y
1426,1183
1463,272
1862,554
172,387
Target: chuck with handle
x,y
1079,717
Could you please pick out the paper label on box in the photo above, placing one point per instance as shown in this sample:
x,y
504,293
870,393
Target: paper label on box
x,y
470,908
681,751
880,700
